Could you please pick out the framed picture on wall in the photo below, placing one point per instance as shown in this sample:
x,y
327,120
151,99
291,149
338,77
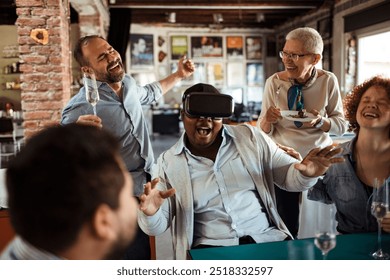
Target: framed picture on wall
x,y
179,46
254,74
253,48
207,46
199,75
234,46
235,74
141,51
215,74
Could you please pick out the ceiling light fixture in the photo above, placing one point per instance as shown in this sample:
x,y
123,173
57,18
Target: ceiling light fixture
x,y
172,17
218,18
260,17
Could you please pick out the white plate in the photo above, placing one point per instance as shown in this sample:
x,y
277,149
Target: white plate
x,y
288,115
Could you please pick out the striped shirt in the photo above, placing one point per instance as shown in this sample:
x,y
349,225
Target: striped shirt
x,y
20,249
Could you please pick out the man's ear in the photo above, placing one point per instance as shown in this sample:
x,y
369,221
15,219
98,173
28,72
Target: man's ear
x,y
85,69
103,222
317,58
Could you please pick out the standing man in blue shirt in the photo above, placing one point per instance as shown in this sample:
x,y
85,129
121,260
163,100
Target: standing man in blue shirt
x,y
120,111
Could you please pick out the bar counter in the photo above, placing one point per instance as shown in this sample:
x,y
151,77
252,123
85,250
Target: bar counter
x,y
348,247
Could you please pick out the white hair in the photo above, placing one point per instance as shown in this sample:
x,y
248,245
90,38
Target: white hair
x,y
311,39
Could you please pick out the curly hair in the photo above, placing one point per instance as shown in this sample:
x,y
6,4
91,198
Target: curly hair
x,y
352,100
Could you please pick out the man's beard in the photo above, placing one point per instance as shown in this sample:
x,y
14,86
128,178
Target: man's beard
x,y
109,78
119,248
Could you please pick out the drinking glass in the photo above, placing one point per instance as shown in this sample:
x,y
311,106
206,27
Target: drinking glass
x,y
91,90
7,153
379,208
325,234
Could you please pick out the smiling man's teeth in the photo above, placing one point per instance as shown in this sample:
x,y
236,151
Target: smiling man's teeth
x,y
203,131
114,66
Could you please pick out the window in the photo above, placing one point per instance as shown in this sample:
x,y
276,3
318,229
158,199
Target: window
x,y
373,55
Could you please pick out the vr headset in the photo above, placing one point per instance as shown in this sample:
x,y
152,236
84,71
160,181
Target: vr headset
x,y
208,104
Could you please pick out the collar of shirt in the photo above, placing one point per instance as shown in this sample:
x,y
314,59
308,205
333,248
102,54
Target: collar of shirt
x,y
22,250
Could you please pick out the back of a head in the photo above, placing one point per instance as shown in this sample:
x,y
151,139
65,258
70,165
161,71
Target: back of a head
x,y
311,39
58,180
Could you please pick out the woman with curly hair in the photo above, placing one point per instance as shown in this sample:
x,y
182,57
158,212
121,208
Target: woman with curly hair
x,y
349,185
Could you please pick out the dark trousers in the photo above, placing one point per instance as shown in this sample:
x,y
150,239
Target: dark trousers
x,y
288,208
247,239
139,249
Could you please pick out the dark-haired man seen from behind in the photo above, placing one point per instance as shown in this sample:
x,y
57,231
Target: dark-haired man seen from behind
x,y
68,197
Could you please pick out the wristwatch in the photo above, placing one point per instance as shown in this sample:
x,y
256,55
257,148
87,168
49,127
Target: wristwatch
x,y
320,123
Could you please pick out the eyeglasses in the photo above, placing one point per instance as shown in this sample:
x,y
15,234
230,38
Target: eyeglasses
x,y
292,56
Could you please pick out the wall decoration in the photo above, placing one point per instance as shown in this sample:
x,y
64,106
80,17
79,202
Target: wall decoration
x,y
235,74
234,46
207,46
160,41
141,55
40,35
254,74
236,93
253,48
215,74
199,75
161,56
179,46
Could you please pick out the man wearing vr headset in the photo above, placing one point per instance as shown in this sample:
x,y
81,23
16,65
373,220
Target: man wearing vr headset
x,y
215,186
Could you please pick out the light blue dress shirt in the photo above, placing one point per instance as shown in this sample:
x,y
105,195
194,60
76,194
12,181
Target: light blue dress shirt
x,y
227,205
266,164
125,119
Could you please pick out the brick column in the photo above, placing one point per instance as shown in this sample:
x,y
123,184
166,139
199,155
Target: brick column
x,y
94,17
46,65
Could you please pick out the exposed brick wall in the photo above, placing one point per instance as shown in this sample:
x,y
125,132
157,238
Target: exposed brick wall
x,y
46,76
94,17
